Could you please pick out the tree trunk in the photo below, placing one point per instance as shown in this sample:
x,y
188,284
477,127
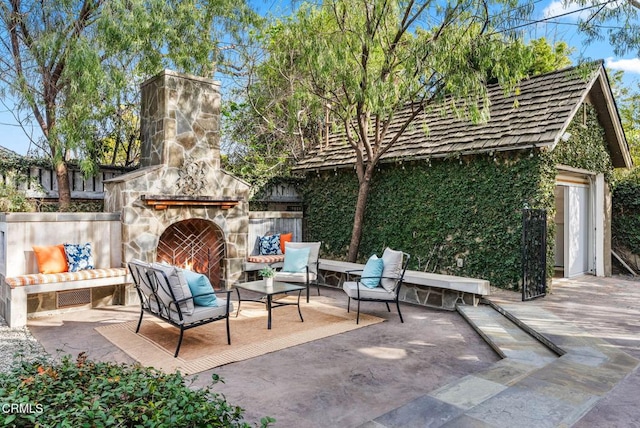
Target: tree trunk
x,y
64,190
358,219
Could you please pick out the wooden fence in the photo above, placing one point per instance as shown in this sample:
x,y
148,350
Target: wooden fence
x,y
42,183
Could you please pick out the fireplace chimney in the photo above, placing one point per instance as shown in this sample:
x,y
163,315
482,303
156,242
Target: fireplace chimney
x,y
180,194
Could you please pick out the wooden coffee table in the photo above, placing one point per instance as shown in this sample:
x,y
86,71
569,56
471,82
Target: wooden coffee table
x,y
268,292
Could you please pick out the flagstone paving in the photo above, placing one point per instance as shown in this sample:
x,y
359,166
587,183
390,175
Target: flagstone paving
x,y
434,370
539,385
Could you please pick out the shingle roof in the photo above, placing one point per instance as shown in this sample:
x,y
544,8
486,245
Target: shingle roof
x,y
537,116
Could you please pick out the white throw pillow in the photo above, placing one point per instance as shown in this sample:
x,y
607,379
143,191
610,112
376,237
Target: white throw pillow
x,y
392,260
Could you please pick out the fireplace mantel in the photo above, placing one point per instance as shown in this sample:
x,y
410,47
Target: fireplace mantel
x,y
162,202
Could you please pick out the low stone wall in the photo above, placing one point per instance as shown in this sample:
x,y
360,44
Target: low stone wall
x,y
421,288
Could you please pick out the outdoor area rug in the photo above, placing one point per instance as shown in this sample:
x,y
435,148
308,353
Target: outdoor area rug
x,y
205,347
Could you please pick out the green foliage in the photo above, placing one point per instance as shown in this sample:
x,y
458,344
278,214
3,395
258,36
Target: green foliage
x,y
617,22
437,211
19,166
13,200
94,394
587,147
75,206
625,222
362,62
267,272
548,58
628,102
625,225
444,209
73,66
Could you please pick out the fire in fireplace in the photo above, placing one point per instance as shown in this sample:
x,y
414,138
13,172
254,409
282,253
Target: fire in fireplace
x,y
194,244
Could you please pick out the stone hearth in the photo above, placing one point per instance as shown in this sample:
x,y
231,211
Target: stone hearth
x,y
180,207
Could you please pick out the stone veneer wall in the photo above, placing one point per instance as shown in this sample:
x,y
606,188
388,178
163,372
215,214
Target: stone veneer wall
x,y
432,297
180,120
180,123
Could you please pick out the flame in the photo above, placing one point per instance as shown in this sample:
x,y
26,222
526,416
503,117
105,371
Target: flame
x,y
188,265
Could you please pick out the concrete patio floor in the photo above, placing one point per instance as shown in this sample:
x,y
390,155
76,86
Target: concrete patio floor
x,y
354,378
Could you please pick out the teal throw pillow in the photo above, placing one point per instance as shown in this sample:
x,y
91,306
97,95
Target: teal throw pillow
x,y
372,272
296,259
199,284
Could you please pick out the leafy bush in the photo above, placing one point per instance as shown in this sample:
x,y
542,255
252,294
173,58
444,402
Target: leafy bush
x,y
83,393
52,206
13,200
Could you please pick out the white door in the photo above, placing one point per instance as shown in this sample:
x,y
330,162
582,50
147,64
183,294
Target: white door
x,y
559,221
576,230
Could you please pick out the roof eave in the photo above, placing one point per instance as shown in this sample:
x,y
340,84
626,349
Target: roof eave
x,y
614,132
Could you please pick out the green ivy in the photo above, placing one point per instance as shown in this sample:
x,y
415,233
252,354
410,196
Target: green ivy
x,y
437,212
586,148
467,207
625,222
12,164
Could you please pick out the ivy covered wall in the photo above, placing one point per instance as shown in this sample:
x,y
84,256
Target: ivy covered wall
x,y
468,209
626,214
443,210
586,148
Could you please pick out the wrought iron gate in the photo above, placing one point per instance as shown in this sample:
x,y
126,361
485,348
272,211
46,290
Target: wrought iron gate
x,y
534,253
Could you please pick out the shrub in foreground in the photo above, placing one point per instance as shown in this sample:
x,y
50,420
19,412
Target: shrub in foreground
x,y
83,393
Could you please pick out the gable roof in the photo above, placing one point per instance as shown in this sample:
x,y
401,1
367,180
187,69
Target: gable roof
x,y
546,105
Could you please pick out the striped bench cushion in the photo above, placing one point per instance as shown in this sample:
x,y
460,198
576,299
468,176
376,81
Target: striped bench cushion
x,y
266,259
48,278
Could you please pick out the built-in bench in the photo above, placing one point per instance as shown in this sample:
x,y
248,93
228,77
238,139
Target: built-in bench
x,y
257,262
26,293
20,286
263,223
423,288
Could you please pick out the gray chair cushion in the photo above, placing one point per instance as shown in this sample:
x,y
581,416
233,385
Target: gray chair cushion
x,y
351,288
178,285
294,276
203,312
392,261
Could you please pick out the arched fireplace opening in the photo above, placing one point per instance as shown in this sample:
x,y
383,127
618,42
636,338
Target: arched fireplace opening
x,y
194,244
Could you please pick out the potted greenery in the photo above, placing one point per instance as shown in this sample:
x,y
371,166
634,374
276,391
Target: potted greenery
x,y
267,273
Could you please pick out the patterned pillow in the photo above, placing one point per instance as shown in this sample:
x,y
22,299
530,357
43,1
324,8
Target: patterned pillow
x,y
270,245
79,256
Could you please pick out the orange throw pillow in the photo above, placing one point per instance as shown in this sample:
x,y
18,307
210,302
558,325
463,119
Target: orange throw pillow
x,y
285,237
51,259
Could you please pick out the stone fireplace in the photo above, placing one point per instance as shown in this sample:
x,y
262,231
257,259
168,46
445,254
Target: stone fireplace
x,y
180,207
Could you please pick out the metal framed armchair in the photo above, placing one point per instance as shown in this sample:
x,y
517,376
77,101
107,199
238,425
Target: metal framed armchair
x,y
388,289
301,263
164,293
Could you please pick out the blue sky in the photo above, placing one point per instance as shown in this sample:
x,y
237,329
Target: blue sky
x,y
13,136
564,28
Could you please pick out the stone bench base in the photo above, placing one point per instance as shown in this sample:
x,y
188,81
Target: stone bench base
x,y
423,288
16,289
